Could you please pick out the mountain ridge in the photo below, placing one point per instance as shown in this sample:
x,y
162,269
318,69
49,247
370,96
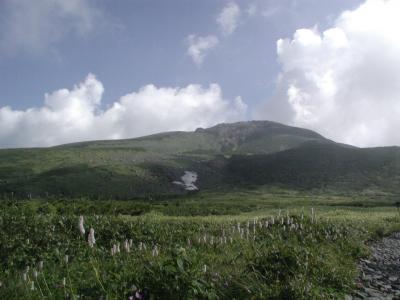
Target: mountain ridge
x,y
242,154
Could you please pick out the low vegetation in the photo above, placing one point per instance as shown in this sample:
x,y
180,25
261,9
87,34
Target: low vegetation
x,y
260,246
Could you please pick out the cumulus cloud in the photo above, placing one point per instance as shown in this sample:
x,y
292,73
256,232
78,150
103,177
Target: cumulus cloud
x,y
345,81
76,115
228,19
33,26
199,46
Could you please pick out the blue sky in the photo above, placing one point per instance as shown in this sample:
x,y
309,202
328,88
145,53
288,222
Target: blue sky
x,y
50,45
134,43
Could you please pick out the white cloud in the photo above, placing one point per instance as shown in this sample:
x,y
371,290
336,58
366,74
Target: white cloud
x,y
75,115
345,81
198,47
34,26
228,19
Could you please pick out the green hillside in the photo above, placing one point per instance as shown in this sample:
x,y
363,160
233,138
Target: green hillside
x,y
328,167
241,154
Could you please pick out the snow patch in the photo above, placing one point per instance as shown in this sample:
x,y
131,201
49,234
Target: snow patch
x,y
188,180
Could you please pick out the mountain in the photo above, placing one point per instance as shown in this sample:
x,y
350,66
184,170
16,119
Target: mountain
x,y
254,137
243,154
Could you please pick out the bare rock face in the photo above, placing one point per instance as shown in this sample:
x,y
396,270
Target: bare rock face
x,y
380,276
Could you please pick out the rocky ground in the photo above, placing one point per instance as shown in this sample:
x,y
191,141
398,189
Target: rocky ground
x,y
380,275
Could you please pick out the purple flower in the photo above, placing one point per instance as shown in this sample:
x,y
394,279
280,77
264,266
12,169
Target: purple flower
x,y
139,295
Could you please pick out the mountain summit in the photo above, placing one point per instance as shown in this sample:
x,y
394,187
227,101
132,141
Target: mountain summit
x,y
243,154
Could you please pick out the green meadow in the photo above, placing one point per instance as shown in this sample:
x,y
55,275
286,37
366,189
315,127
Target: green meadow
x,y
254,244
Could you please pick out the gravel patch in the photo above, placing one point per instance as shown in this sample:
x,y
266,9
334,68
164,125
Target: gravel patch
x,y
380,275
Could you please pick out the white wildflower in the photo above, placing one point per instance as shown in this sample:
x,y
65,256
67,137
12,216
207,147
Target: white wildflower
x,y
126,246
114,250
91,238
155,251
312,215
81,226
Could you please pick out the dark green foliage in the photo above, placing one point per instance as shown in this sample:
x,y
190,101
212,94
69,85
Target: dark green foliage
x,y
328,167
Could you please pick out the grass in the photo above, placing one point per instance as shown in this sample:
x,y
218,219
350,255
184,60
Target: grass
x,y
244,155
190,247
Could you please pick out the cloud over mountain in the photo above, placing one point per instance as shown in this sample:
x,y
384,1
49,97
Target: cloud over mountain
x,y
344,81
76,115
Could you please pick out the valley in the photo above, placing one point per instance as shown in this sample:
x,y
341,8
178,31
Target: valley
x,y
250,210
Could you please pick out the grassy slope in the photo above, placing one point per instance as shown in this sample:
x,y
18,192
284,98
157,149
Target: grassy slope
x,y
138,167
242,154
